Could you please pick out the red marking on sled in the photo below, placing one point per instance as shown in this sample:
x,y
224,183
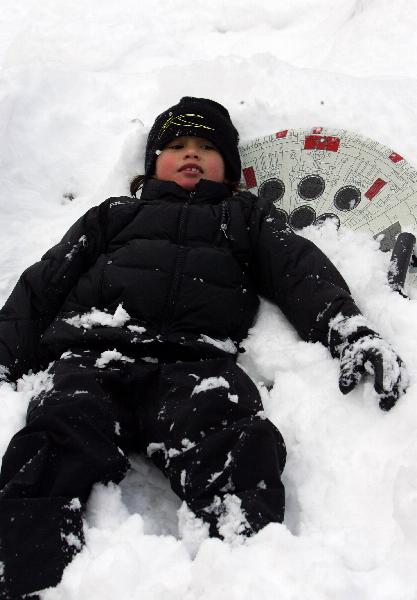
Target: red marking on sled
x,y
376,187
250,177
322,142
317,130
281,134
395,157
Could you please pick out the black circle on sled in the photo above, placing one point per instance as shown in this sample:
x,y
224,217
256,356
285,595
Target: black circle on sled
x,y
347,198
302,216
327,217
272,189
311,187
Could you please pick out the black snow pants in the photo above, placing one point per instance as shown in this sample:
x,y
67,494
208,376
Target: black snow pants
x,y
199,421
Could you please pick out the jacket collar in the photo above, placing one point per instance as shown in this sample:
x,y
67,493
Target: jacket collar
x,y
204,191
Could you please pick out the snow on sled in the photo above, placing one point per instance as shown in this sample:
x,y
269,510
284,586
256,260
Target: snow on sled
x,y
321,173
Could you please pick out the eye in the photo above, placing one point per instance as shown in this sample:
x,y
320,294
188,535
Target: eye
x,y
208,147
175,146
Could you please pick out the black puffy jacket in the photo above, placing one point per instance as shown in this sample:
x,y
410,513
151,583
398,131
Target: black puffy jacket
x,y
186,267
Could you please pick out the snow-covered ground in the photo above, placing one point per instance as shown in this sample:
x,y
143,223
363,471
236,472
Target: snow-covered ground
x,y
80,84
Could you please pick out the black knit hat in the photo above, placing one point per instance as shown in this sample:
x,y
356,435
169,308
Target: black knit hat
x,y
201,118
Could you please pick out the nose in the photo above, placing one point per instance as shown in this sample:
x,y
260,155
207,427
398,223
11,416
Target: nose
x,y
191,151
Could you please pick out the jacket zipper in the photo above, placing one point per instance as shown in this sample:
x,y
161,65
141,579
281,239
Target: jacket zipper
x,y
224,222
170,303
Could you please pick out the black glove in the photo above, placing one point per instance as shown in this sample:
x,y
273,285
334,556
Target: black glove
x,y
362,351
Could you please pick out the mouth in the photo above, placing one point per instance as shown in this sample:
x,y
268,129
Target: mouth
x,y
191,168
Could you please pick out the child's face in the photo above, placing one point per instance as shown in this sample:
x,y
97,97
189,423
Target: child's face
x,y
188,159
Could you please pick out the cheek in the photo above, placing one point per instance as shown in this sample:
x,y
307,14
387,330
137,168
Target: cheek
x,y
165,166
217,169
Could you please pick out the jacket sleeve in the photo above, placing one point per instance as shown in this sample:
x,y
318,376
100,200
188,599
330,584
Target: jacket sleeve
x,y
297,276
41,290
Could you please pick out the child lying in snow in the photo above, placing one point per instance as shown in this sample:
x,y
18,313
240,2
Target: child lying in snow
x,y
171,283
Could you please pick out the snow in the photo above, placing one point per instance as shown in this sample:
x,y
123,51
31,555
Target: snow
x,y
111,355
210,383
136,328
81,83
98,317
226,345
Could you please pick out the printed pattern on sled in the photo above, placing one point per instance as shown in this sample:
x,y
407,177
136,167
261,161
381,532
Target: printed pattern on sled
x,y
322,173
